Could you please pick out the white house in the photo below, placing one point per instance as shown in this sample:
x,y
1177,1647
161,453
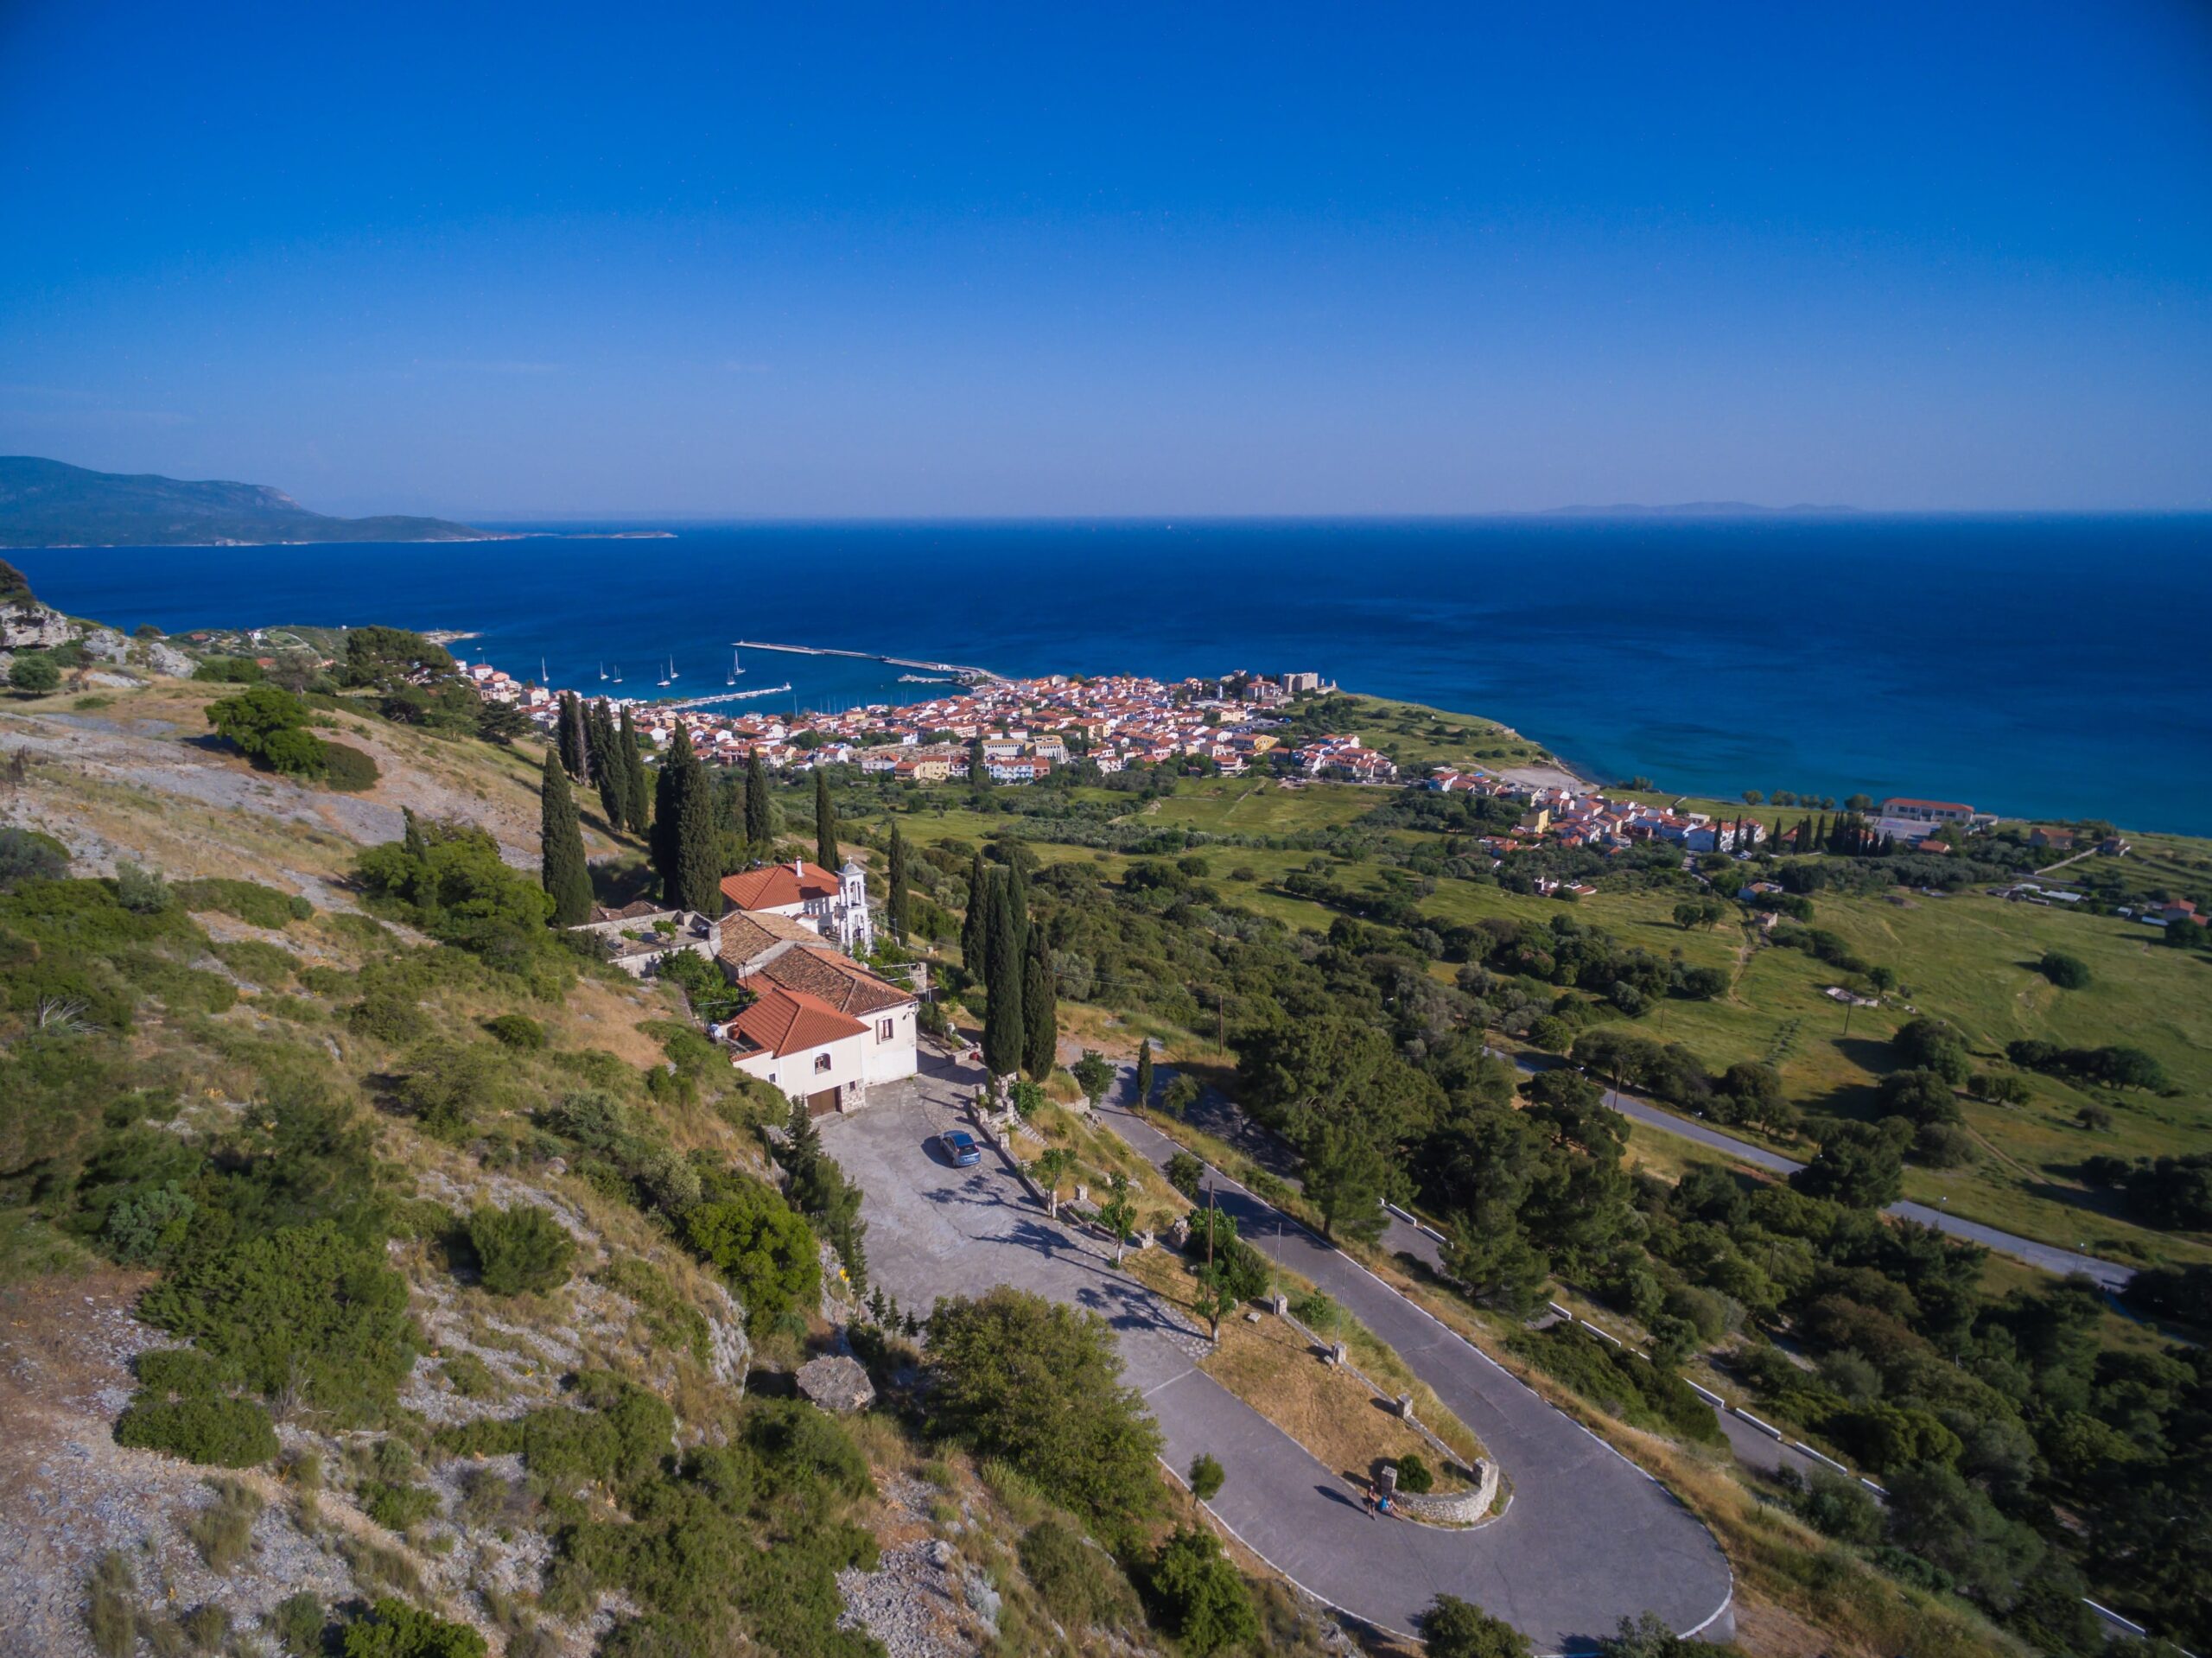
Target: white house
x,y
822,1028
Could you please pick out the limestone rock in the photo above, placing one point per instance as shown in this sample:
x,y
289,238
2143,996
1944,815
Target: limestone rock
x,y
837,1383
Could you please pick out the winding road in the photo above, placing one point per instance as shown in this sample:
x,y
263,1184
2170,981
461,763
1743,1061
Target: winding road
x,y
1587,1539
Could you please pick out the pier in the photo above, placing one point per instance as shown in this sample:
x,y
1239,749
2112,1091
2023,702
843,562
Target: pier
x,y
959,671
729,697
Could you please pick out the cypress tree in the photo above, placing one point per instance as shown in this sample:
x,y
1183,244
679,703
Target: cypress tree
x,y
1144,1070
825,822
979,775
637,788
599,742
1005,1035
683,832
1040,1014
1017,898
561,865
759,816
975,925
898,900
411,835
574,753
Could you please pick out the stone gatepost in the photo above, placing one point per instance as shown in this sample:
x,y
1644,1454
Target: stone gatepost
x,y
1280,1304
1338,1354
1386,1479
1406,1406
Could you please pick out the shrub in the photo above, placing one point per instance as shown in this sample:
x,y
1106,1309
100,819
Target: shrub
x,y
1198,1595
27,854
1836,1506
268,724
1206,1477
1184,1172
142,892
207,1626
347,769
1079,1582
304,1306
214,1432
1413,1476
516,1031
1041,1384
223,1531
2067,972
395,1629
518,1250
1452,1628
396,1507
766,1250
449,1084
298,1625
34,675
1318,1312
111,1611
469,1376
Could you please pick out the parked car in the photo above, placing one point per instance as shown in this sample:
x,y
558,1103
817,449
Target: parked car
x,y
960,1148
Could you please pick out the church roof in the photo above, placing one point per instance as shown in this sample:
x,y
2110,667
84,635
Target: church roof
x,y
832,977
776,886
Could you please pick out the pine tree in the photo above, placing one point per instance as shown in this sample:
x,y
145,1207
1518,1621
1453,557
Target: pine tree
x,y
637,787
976,926
759,815
825,822
562,868
1039,1014
1004,1032
1144,1070
897,896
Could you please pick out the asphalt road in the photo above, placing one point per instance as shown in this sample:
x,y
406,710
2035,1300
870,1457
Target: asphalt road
x,y
2109,1274
1588,1539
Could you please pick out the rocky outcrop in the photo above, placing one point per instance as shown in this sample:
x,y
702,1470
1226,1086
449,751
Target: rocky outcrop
x,y
27,624
837,1383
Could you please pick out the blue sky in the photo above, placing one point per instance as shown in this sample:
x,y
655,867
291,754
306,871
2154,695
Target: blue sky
x,y
743,261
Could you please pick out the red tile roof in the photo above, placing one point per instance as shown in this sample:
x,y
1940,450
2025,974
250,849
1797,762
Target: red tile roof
x,y
834,978
788,1022
776,884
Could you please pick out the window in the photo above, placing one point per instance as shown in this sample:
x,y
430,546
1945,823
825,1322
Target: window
x,y
821,1062
883,1030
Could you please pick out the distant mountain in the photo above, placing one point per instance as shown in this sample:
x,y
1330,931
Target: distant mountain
x,y
49,503
1700,509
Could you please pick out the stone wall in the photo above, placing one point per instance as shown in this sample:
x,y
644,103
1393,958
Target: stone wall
x,y
1461,1508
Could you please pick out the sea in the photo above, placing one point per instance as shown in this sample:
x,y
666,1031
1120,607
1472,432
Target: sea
x,y
2038,666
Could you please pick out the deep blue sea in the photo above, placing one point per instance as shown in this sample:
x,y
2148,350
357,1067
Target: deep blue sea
x,y
2058,666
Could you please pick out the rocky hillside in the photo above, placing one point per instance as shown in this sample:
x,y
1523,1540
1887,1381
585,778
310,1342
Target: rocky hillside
x,y
379,1274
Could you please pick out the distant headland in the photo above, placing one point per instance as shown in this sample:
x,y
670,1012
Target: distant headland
x,y
51,504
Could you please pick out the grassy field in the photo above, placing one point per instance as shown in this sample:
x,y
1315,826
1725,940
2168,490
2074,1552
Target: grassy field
x,y
1967,958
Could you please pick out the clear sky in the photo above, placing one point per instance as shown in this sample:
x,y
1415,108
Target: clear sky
x,y
785,260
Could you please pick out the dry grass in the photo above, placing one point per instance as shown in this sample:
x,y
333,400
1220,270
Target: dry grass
x,y
1345,1423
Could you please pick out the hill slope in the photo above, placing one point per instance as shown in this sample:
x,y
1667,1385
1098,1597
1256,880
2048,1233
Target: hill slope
x,y
50,504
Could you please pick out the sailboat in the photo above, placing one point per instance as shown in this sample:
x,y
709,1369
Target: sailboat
x,y
735,670
671,663
603,671
618,673
672,674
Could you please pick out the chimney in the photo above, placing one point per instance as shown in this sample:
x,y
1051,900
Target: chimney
x,y
799,867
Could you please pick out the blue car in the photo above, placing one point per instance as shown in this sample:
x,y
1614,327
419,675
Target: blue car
x,y
960,1146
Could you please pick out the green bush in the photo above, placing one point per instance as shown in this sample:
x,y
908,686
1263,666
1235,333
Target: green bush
x,y
27,854
515,1030
250,901
1413,1478
2067,972
396,1507
1616,1380
1079,1582
1041,1384
34,675
1206,1477
469,1376
392,1628
347,769
306,1306
1197,1595
266,965
1452,1628
520,1250
230,671
215,1432
298,1625
766,1251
